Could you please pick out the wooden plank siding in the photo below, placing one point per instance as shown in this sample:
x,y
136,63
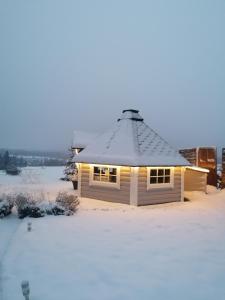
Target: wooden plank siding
x,y
110,194
194,180
161,195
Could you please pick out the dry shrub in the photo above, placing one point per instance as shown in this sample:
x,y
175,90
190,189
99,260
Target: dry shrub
x,y
28,205
67,201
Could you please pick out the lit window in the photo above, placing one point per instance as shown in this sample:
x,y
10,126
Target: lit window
x,y
160,177
104,175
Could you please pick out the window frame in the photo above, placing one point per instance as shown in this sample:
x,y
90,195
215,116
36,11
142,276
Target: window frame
x,y
93,182
160,185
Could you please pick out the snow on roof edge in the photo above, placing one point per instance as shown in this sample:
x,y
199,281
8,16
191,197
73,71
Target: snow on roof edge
x,y
130,161
195,168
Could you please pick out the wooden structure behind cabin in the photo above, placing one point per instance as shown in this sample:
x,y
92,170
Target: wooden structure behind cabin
x,y
203,157
223,169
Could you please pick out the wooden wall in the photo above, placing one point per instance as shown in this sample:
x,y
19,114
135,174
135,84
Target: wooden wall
x,y
155,196
194,180
111,194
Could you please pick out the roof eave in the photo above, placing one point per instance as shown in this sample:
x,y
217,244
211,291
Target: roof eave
x,y
131,164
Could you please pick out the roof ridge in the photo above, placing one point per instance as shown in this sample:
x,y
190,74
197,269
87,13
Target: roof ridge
x,y
135,136
112,136
161,138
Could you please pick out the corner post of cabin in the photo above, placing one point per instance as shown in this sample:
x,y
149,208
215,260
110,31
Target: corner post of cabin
x,y
182,184
79,167
134,185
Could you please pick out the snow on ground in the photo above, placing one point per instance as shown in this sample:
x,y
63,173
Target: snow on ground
x,y
113,251
45,179
8,227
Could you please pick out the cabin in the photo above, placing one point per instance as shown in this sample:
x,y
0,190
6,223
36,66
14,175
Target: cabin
x,y
132,164
203,157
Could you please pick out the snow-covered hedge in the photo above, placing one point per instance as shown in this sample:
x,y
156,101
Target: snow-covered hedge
x,y
28,206
64,204
6,205
69,202
34,205
53,209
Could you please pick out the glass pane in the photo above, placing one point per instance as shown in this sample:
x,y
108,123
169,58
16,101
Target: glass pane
x,y
153,172
112,178
105,171
160,172
96,177
160,179
167,171
112,171
97,170
153,180
167,179
104,178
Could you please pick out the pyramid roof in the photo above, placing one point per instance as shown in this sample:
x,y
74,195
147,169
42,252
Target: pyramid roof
x,y
131,143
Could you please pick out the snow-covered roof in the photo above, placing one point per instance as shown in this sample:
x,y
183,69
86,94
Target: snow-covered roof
x,y
81,138
198,169
131,143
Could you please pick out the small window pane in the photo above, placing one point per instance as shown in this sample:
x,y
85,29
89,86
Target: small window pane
x,y
112,178
104,178
112,171
105,171
167,171
153,180
153,172
160,179
160,172
97,170
167,179
96,177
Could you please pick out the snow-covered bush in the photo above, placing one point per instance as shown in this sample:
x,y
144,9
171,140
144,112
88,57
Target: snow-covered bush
x,y
34,204
67,201
54,209
28,206
6,205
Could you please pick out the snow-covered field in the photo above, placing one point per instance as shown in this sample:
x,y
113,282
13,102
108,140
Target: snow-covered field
x,y
112,251
35,179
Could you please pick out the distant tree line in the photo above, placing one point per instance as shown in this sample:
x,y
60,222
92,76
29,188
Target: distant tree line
x,y
46,162
8,160
29,158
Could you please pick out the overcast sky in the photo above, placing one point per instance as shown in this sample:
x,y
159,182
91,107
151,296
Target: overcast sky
x,y
67,64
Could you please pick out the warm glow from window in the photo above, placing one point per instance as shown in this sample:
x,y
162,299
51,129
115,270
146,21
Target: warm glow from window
x,y
160,177
105,175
